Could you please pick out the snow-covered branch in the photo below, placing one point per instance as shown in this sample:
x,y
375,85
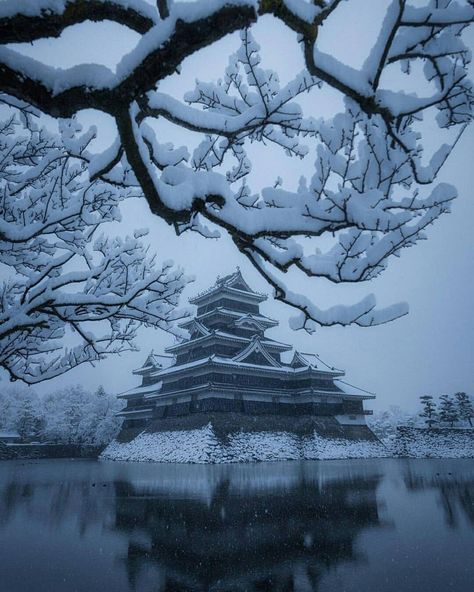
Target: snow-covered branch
x,y
368,196
73,296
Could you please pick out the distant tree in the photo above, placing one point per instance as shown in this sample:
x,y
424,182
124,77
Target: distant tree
x,y
76,416
21,410
385,423
429,410
100,392
465,407
30,422
71,295
448,411
372,190
71,415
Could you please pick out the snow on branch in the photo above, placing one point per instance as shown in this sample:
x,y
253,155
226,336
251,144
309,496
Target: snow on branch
x,y
372,192
73,295
26,21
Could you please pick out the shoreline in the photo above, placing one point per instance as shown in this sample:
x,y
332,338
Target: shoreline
x,y
203,446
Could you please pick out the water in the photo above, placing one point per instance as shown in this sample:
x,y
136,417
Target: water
x,y
362,526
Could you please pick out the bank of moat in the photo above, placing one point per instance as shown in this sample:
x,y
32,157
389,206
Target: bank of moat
x,y
231,374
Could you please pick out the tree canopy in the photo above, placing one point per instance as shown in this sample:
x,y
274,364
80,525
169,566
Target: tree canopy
x,y
73,294
372,191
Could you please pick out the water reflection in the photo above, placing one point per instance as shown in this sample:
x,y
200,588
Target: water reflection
x,y
276,537
346,525
455,492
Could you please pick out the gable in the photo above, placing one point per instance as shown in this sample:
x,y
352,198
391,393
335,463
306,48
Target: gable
x,y
249,323
197,329
299,361
239,285
256,351
237,282
257,358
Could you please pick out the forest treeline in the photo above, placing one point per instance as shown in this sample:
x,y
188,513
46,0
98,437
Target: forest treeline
x,y
72,415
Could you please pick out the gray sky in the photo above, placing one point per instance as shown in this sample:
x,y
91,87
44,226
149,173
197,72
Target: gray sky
x,y
430,351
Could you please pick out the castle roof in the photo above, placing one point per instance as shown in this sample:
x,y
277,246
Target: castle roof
x,y
353,391
256,347
301,360
141,391
214,334
221,361
234,314
233,283
154,362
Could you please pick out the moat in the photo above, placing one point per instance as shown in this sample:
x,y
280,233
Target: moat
x,y
376,525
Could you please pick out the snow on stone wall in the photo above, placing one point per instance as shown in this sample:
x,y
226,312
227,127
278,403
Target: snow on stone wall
x,y
317,447
434,443
202,446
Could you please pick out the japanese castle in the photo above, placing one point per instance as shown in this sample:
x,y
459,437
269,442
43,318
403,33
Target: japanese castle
x,y
230,366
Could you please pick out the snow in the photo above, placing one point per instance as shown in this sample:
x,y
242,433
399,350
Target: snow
x,y
453,13
350,389
58,79
9,8
141,390
346,75
58,262
202,446
98,76
364,189
434,443
102,160
9,434
362,313
304,10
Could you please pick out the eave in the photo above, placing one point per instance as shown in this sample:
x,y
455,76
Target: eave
x,y
135,413
222,388
223,337
227,312
228,363
228,291
140,391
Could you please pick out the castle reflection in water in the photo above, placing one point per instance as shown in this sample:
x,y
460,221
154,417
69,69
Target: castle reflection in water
x,y
273,536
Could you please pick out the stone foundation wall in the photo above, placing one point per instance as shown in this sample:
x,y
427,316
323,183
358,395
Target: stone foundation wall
x,y
6,453
434,443
204,445
52,451
226,423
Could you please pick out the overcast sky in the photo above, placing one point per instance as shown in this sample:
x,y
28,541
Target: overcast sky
x,y
430,351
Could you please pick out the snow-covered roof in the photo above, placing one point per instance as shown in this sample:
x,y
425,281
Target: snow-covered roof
x,y
127,412
301,359
140,391
229,337
234,282
9,434
256,318
153,362
256,346
267,341
351,390
249,320
231,363
234,314
199,327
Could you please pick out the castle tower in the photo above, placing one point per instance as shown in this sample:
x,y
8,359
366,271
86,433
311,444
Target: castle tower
x,y
230,364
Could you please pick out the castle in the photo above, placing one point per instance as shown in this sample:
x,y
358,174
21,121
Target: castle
x,y
230,366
